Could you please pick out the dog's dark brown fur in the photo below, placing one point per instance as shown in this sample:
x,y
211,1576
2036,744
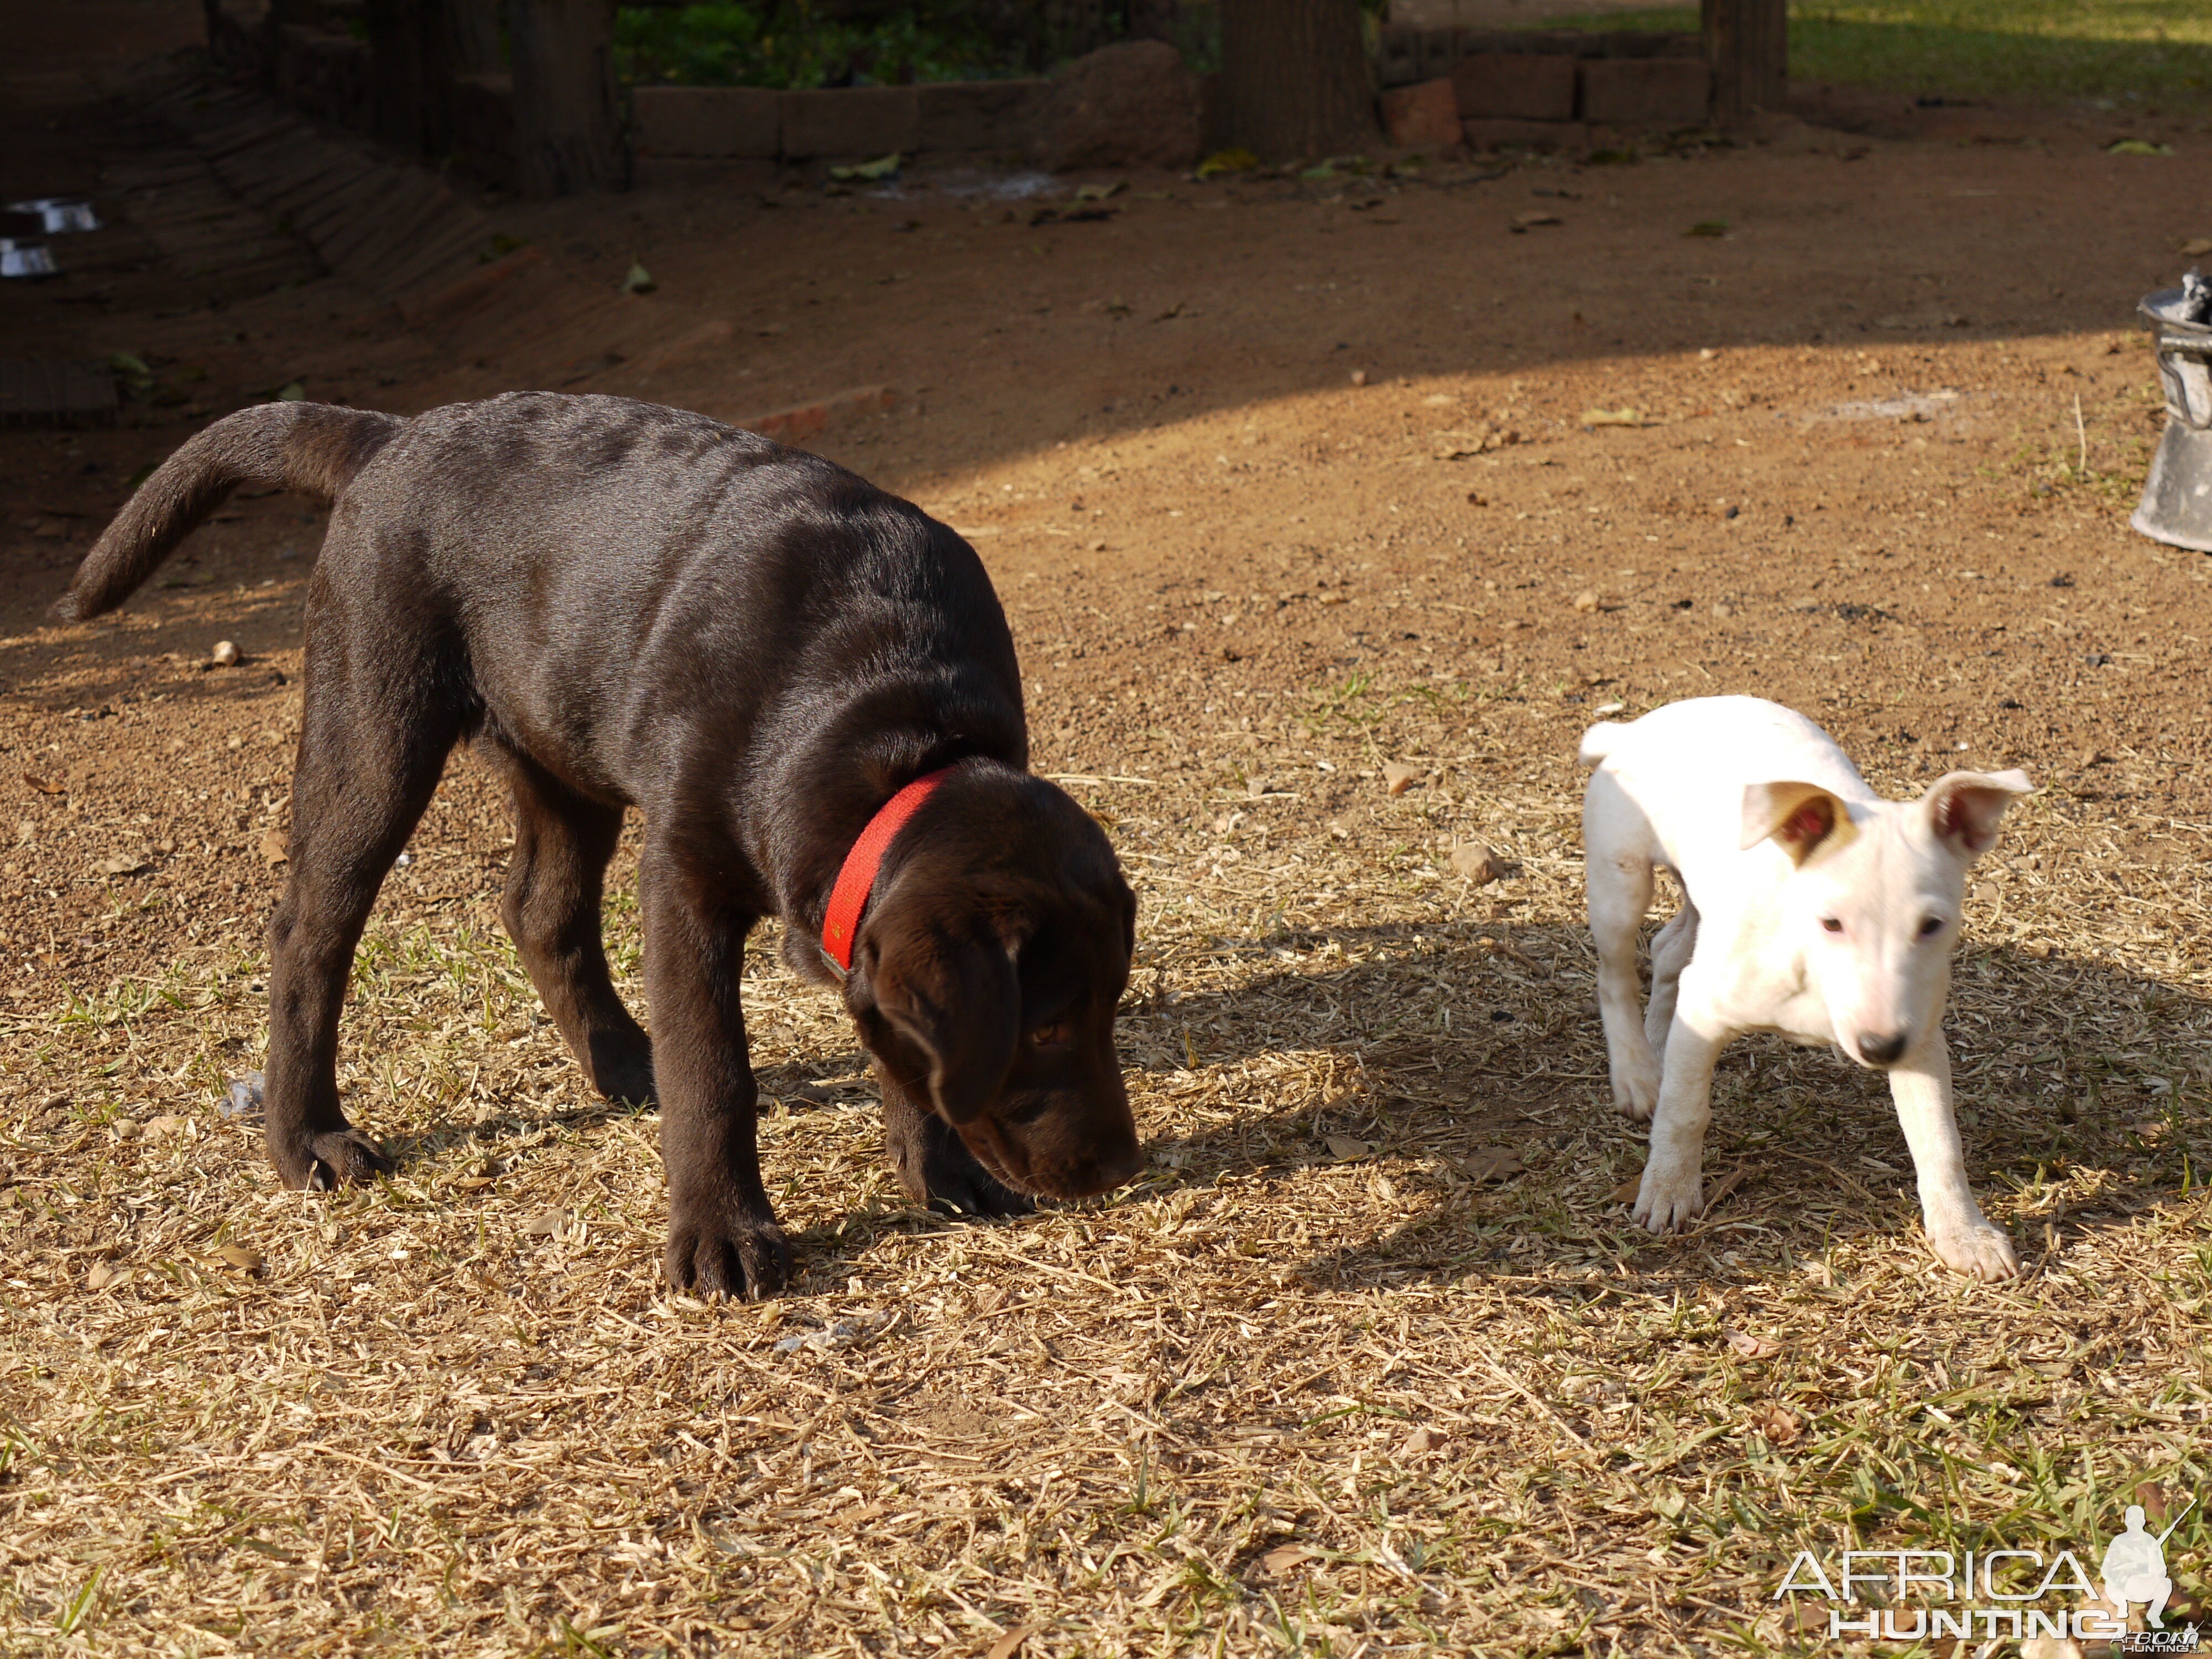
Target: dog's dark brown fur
x,y
627,606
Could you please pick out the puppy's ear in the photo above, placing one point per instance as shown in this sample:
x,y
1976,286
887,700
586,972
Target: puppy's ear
x,y
1964,807
1801,818
956,1000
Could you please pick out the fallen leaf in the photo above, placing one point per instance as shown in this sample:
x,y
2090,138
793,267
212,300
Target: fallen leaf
x,y
1625,1192
2138,146
1423,1440
1011,1644
1475,440
1398,776
1100,192
123,864
1533,217
1495,1165
1227,161
1750,1346
547,1224
1344,1147
2151,1497
44,787
1287,1558
273,848
884,167
1777,1423
1586,600
239,1257
1708,228
167,1124
639,280
102,1274
2197,245
1613,417
1477,863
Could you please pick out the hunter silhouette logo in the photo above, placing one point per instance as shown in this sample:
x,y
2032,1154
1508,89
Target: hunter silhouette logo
x,y
2003,1591
2135,1567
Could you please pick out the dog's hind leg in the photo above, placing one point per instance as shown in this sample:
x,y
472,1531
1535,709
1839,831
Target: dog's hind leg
x,y
374,732
551,909
1671,948
1617,868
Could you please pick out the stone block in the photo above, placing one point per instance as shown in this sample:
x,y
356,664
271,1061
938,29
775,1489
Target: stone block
x,y
1647,92
984,115
1423,117
1398,56
1497,132
854,121
1520,86
709,121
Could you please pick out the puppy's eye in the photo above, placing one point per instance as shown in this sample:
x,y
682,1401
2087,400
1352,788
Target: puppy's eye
x,y
1931,926
1054,1036
1831,924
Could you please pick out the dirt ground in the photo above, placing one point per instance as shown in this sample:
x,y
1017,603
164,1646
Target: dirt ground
x,y
1371,1359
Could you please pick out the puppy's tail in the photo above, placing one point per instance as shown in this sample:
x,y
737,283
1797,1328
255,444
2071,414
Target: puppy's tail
x,y
314,448
1598,742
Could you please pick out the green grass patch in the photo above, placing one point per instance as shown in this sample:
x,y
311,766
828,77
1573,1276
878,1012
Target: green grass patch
x,y
2146,53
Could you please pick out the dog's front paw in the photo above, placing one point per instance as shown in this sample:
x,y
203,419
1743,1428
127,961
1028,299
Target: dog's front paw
x,y
1979,1250
711,1256
333,1158
936,1169
1669,1201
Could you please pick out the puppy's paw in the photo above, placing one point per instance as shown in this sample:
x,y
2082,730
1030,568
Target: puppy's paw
x,y
936,1169
1977,1251
711,1257
1668,1202
1636,1090
621,1068
333,1158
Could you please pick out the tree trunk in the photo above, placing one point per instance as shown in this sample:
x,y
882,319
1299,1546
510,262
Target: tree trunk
x,y
467,39
1294,78
567,126
401,95
1748,44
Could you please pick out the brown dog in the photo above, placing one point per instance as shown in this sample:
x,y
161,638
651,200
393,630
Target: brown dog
x,y
627,606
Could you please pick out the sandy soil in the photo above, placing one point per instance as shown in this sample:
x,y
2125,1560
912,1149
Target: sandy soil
x,y
1855,480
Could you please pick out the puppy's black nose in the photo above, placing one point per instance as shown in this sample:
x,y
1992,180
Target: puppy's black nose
x,y
1878,1049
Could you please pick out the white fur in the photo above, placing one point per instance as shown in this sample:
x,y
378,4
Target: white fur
x,y
1727,792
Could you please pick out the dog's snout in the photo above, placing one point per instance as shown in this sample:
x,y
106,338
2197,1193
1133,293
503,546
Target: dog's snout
x,y
1118,1165
1881,1047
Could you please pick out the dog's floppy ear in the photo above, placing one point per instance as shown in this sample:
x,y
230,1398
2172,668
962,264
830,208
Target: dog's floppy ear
x,y
1801,818
1964,807
958,1000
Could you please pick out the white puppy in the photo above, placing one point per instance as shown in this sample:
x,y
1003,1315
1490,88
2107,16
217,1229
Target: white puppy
x,y
1812,908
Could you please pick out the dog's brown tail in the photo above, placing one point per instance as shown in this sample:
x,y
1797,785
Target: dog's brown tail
x,y
314,448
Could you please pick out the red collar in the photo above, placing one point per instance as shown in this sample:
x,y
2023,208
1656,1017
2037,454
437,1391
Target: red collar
x,y
856,878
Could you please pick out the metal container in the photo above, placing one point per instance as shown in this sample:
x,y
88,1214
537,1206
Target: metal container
x,y
58,215
2177,500
19,259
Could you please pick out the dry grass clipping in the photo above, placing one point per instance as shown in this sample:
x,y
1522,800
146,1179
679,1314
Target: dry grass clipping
x,y
1371,1359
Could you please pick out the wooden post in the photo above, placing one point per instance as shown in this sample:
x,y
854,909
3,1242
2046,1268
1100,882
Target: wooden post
x,y
1748,44
567,126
